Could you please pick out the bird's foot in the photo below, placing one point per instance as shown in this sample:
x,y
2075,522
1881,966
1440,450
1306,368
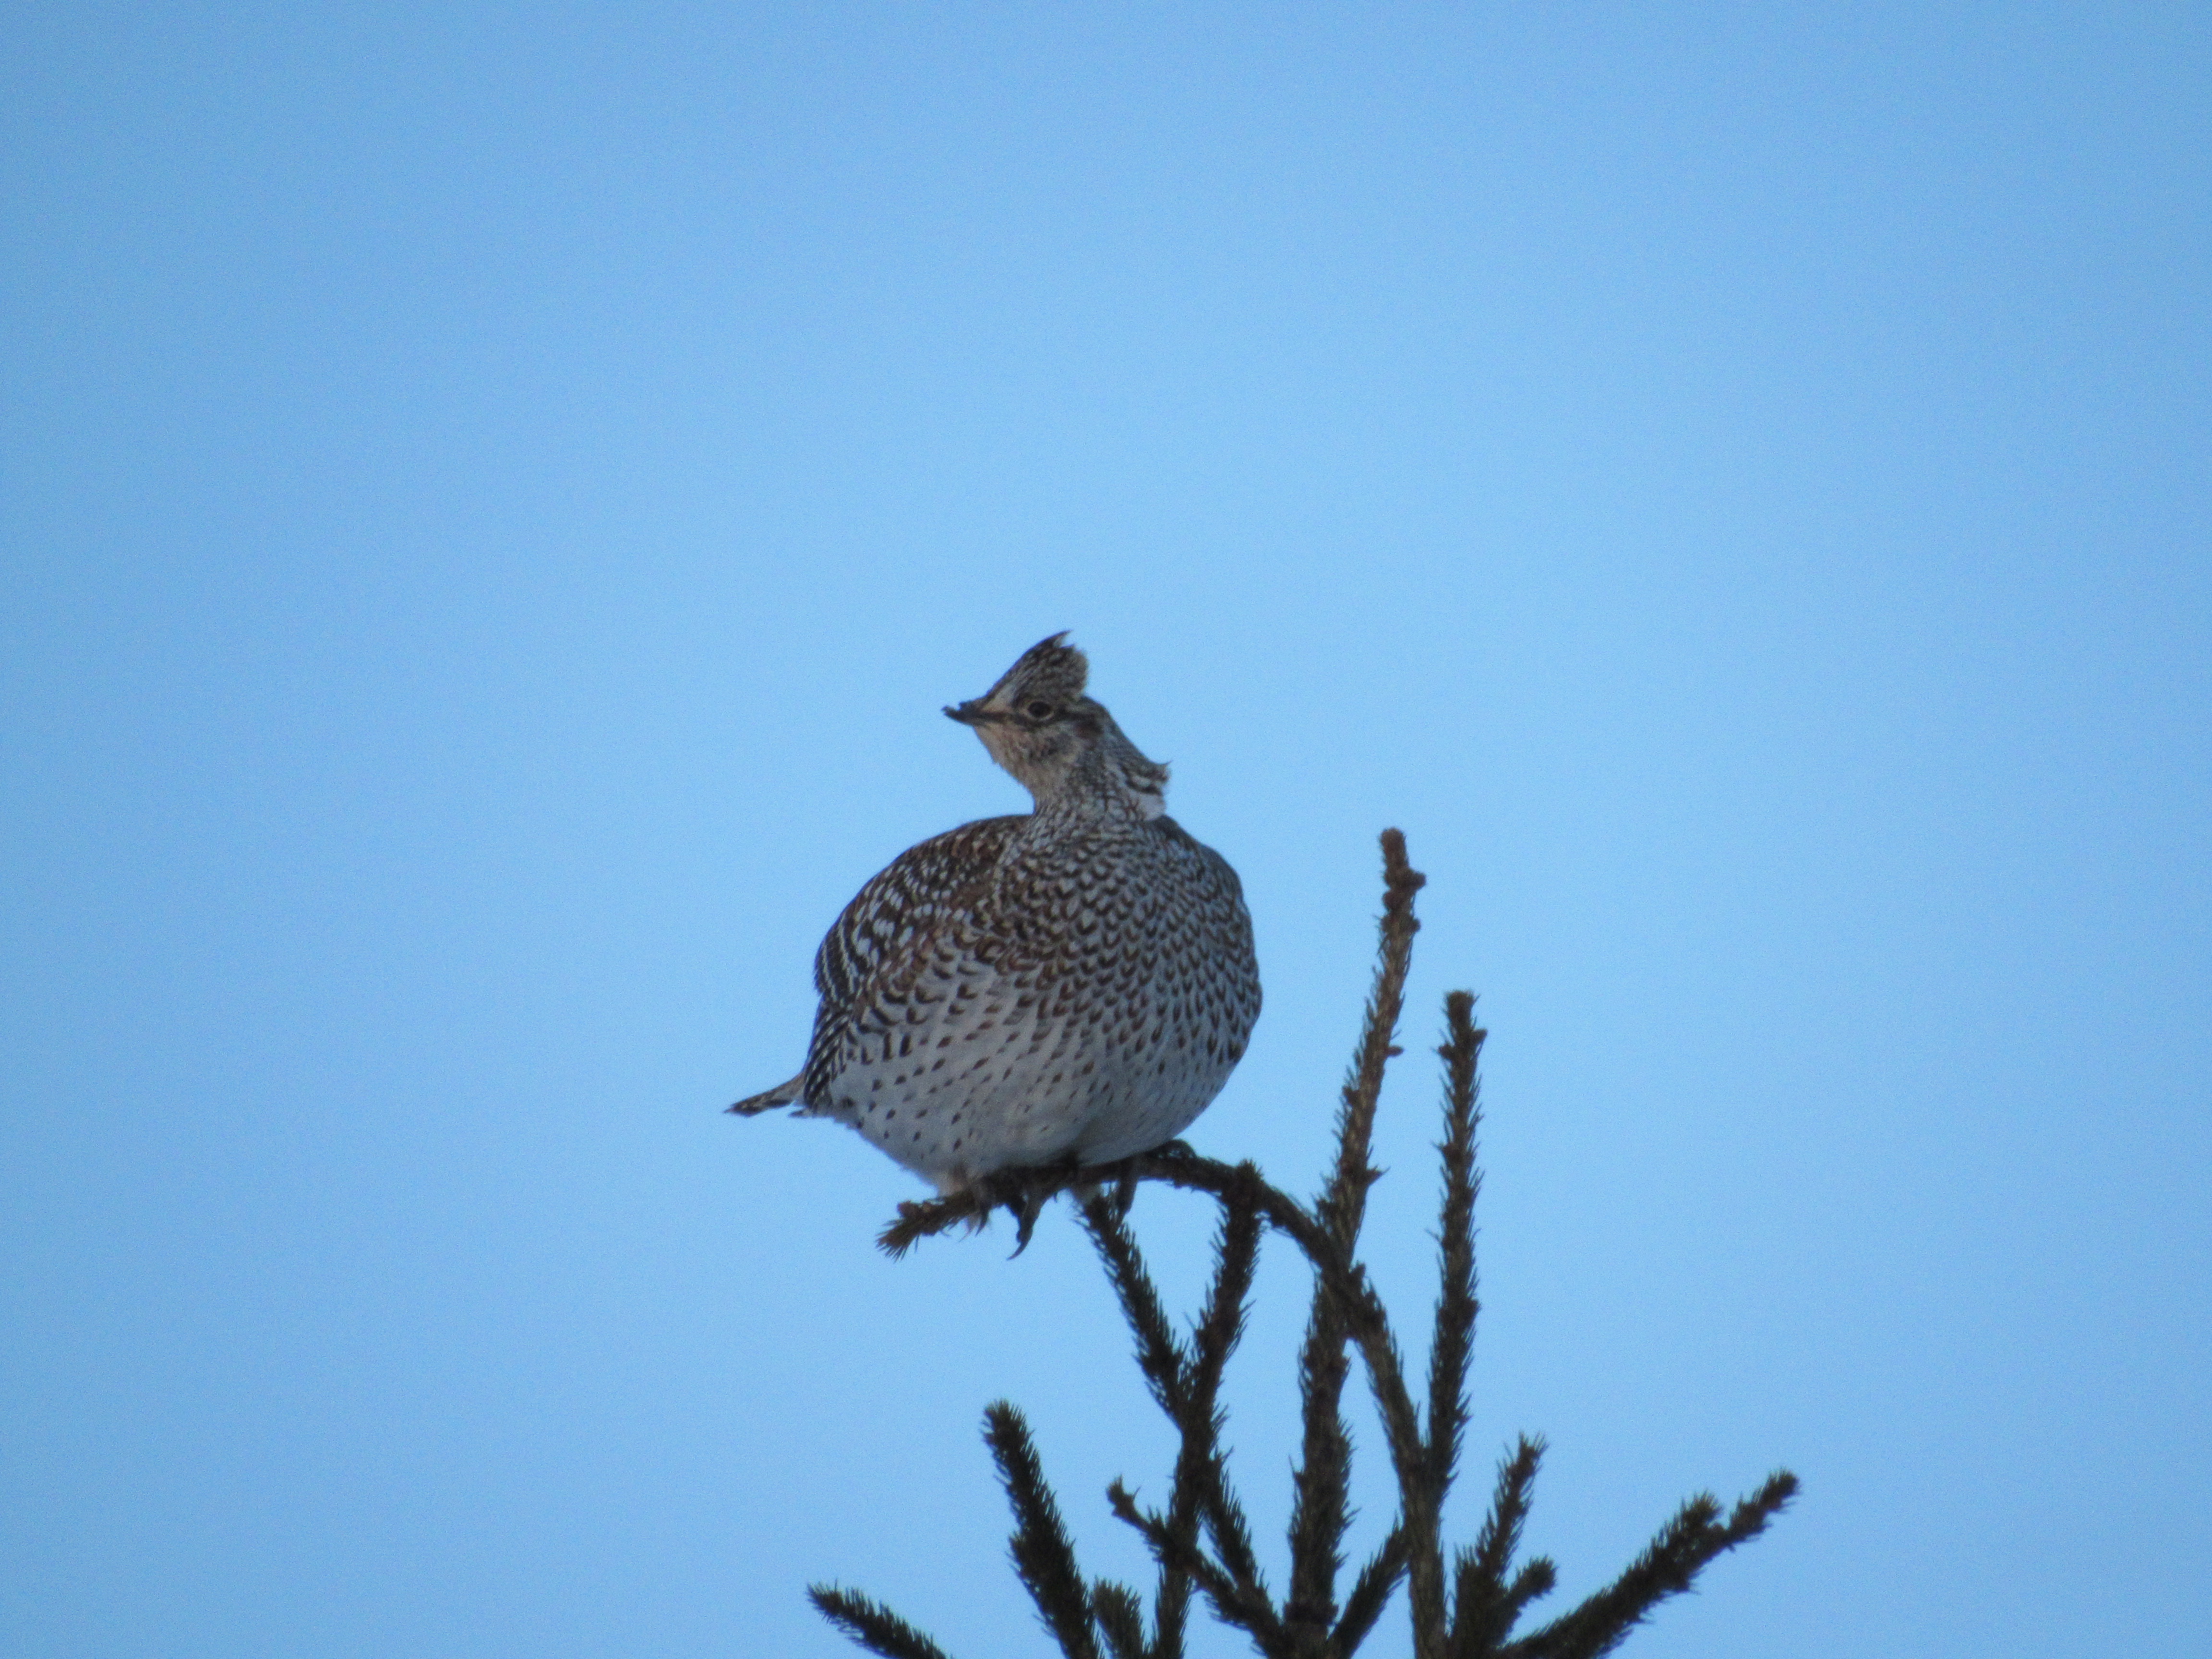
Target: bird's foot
x,y
1023,1192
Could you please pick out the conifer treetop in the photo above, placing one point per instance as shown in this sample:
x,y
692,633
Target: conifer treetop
x,y
1463,1603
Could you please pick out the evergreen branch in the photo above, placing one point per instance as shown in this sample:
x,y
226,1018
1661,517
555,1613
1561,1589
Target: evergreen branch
x,y
1484,1603
1423,1489
1160,1355
1171,1601
1201,1467
1343,1278
1452,1347
1247,1607
1160,1358
873,1624
1365,1316
1684,1547
1345,1281
1044,1557
1173,1164
1488,1612
1344,1202
1321,1510
1171,1596
1220,1328
1221,1325
1176,1165
1371,1593
920,1218
1121,1619
1188,1386
1225,1523
1420,1501
1483,1607
1509,1508
1533,1583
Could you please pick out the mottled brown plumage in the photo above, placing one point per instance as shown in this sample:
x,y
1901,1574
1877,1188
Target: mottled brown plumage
x,y
1076,983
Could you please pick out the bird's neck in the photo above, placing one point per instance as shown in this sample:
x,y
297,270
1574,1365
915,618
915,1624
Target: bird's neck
x,y
1095,790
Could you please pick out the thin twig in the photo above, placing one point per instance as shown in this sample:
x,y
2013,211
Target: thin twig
x,y
1221,1325
1452,1345
1044,1556
1248,1611
871,1624
1344,1202
1685,1546
1371,1592
1121,1619
1187,1384
1483,1607
1160,1354
1321,1484
1321,1505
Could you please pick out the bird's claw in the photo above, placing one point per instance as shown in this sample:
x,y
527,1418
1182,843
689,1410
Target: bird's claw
x,y
1027,1206
1023,1194
1125,1189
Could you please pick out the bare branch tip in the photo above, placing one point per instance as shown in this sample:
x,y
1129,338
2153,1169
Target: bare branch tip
x,y
1400,879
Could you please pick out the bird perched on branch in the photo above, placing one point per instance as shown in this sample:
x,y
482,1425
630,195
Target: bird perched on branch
x,y
1074,985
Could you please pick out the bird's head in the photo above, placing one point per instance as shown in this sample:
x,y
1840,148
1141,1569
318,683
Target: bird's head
x,y
1038,724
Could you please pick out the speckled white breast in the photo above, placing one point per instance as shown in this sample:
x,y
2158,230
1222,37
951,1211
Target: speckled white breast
x,y
1091,999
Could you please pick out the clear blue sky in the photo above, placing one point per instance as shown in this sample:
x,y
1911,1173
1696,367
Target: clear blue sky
x,y
494,498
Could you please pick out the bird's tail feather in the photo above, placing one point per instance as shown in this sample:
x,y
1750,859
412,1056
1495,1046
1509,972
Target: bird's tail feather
x,y
784,1094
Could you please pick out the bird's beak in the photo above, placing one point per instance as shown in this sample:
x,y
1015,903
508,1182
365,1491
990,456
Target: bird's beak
x,y
972,713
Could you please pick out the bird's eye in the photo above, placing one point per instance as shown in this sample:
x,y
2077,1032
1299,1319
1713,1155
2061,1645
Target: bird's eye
x,y
1039,710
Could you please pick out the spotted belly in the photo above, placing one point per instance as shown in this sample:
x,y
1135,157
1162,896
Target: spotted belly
x,y
998,1079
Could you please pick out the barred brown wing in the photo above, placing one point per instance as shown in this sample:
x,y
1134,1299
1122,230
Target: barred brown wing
x,y
899,908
